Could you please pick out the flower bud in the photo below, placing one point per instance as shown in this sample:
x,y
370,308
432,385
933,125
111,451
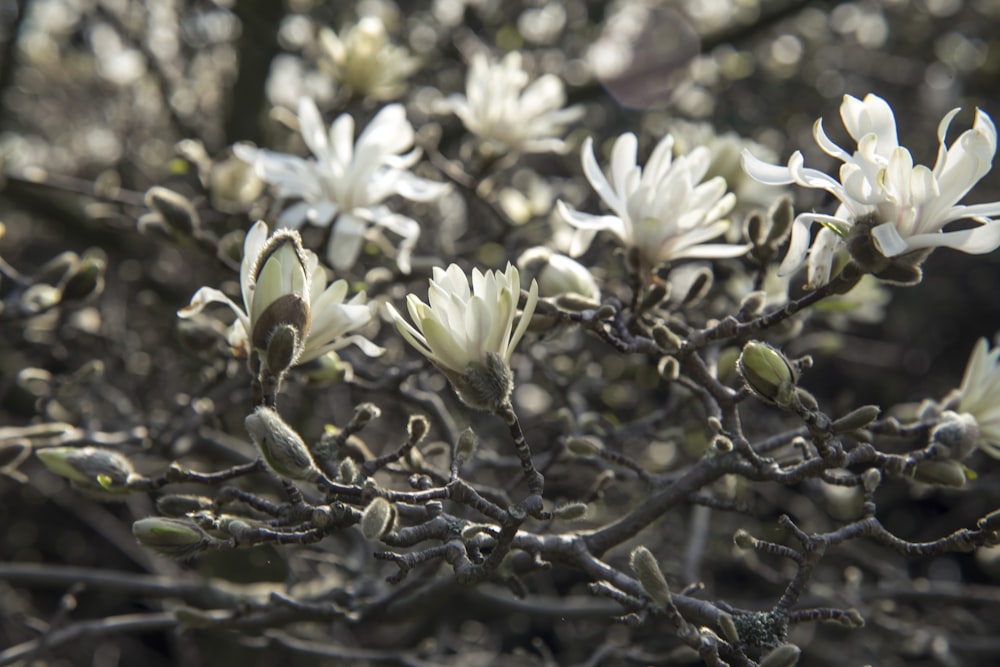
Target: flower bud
x,y
465,448
282,448
956,436
648,572
668,368
347,471
283,346
786,655
557,274
288,311
570,512
584,445
90,467
666,338
174,209
363,414
767,373
744,540
857,418
870,479
378,518
417,428
728,627
940,473
781,215
176,538
87,280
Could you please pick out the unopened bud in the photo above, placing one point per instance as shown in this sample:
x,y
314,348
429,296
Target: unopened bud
x,y
956,436
87,280
40,297
656,293
176,504
282,448
744,540
584,445
852,618
857,418
571,302
648,572
870,479
363,415
699,286
283,347
940,473
570,512
89,466
753,304
176,538
668,368
605,312
378,518
347,471
767,373
786,655
174,208
465,448
722,444
485,387
666,338
288,310
755,228
417,428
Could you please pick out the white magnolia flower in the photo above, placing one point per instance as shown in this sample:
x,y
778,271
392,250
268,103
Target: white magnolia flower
x,y
904,207
499,109
348,181
980,394
366,61
664,210
283,286
467,333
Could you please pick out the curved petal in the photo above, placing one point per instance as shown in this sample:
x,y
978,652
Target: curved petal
x,y
976,241
764,172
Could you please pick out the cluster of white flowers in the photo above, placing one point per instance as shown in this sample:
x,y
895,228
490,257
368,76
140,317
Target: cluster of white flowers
x,y
979,395
900,206
366,62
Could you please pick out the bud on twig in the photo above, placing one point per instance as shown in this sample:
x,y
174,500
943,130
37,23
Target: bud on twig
x,y
648,572
571,511
282,448
857,418
417,428
176,538
940,473
378,518
584,445
90,467
767,373
465,448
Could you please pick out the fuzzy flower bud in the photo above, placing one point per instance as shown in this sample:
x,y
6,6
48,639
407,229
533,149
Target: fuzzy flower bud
x,y
282,448
378,518
90,467
648,572
176,538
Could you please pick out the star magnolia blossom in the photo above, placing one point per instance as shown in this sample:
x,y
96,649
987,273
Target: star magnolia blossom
x,y
664,210
366,61
980,395
467,333
283,284
499,109
908,204
348,181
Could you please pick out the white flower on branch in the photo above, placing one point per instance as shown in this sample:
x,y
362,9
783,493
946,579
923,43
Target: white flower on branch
x,y
898,207
979,394
346,182
364,60
509,114
662,210
289,314
469,334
